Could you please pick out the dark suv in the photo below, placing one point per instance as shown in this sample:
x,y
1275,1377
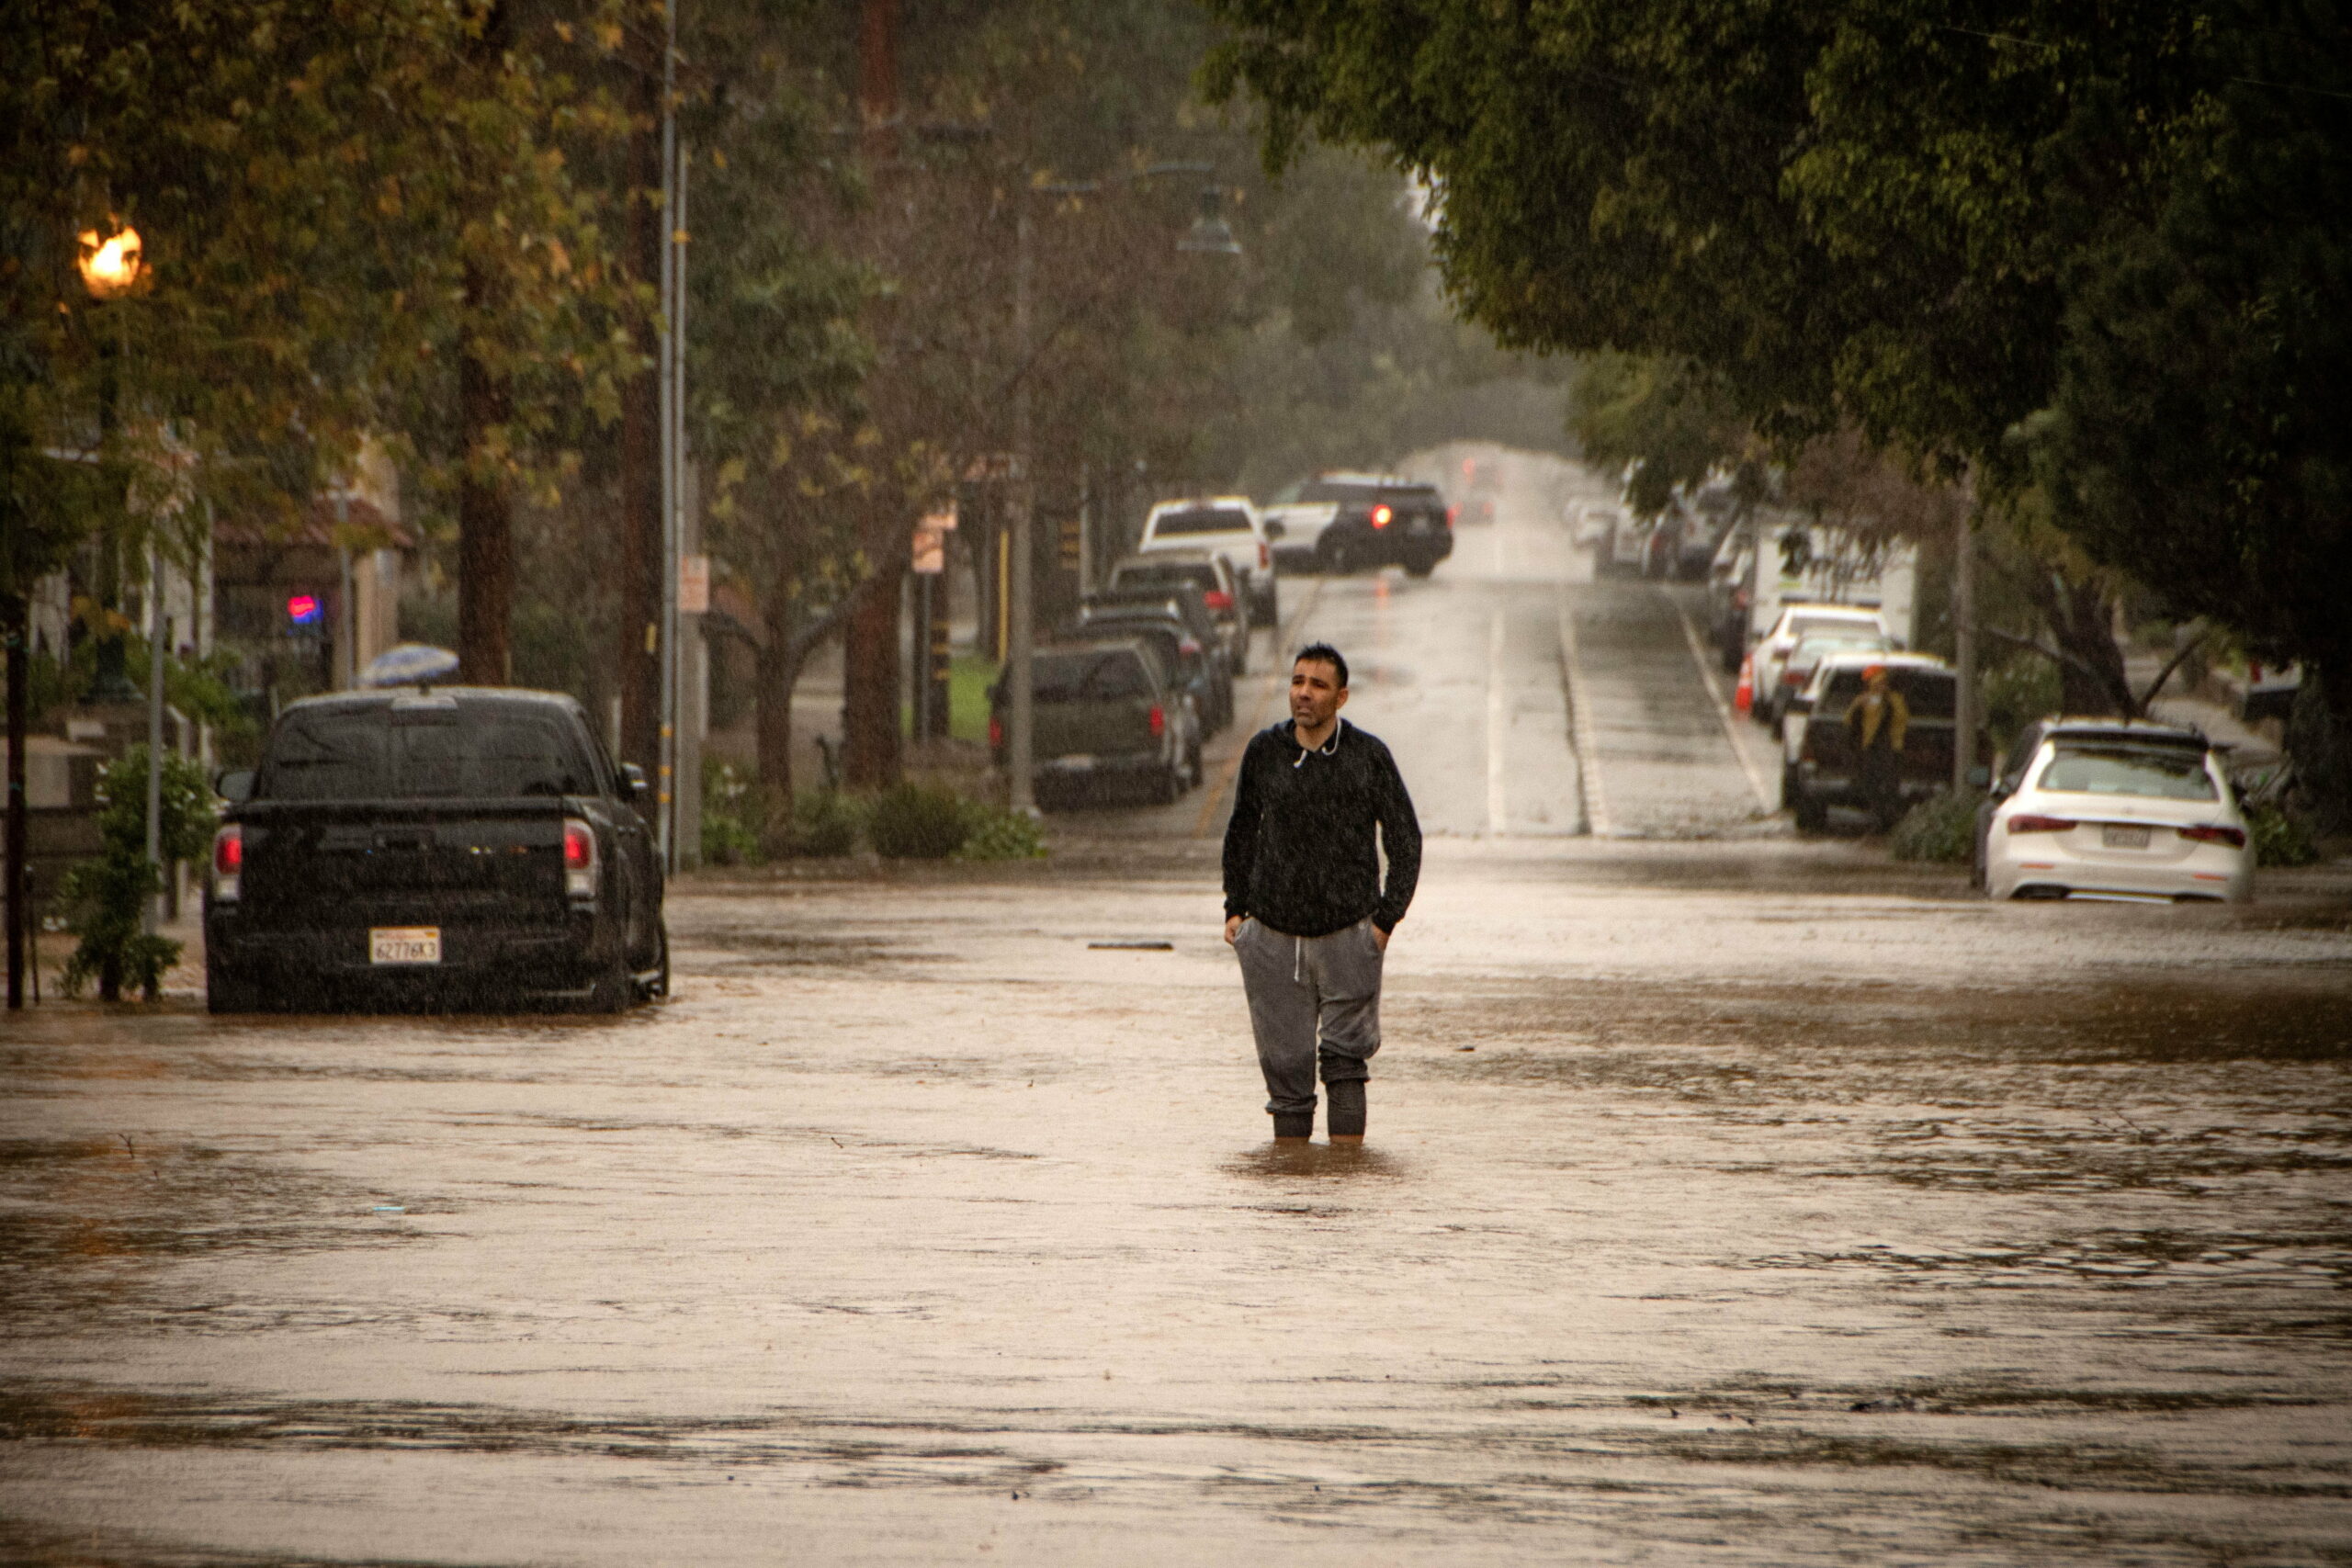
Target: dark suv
x,y
457,842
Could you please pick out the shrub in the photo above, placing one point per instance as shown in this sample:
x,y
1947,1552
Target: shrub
x,y
727,837
2025,688
916,822
1941,829
105,899
2279,839
826,823
994,834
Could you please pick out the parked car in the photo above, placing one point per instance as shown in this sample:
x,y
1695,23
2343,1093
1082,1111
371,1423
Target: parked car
x,y
1796,620
1622,545
1343,523
1819,765
1729,588
2115,809
1796,669
1192,606
1230,526
1162,625
412,842
1105,713
1205,571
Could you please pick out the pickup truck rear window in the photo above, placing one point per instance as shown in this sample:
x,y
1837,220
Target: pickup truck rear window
x,y
1199,520
1107,676
2150,771
1928,694
1202,575
373,755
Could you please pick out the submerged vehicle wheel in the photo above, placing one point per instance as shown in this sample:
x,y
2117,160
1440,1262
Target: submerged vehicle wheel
x,y
229,990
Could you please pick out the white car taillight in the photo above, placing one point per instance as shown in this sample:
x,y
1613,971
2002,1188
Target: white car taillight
x,y
228,863
578,859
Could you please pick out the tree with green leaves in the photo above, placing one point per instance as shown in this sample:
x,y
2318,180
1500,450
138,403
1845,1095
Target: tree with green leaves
x,y
2087,245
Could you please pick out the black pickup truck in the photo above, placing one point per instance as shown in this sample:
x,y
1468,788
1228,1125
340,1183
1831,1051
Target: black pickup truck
x,y
453,843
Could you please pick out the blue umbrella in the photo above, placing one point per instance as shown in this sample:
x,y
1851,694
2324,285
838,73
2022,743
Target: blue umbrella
x,y
409,664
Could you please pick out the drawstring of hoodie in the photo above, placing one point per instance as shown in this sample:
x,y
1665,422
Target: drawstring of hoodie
x,y
1297,960
1325,749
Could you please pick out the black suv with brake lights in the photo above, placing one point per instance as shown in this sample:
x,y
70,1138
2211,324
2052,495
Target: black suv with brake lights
x,y
1387,524
459,842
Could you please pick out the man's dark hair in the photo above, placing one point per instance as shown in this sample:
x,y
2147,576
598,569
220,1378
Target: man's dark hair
x,y
1324,653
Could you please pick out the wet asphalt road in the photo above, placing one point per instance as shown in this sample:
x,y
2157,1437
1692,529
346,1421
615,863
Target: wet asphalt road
x,y
1742,1200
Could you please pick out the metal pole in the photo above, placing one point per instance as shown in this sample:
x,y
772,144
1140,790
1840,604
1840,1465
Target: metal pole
x,y
156,628
668,374
16,622
1020,737
674,689
347,663
1964,706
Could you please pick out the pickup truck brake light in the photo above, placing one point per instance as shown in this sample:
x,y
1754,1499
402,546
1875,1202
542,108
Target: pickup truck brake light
x,y
2207,833
1265,559
1451,513
1159,721
227,863
578,859
1217,599
996,732
2042,824
1381,516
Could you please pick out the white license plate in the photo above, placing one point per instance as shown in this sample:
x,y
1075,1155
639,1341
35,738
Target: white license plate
x,y
404,944
2125,838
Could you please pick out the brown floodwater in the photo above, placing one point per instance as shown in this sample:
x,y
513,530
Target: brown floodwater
x,y
1719,1206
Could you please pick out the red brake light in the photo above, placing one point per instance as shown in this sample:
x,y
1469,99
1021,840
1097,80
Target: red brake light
x,y
2042,824
1793,677
1159,721
1217,599
2209,834
579,845
229,850
1451,513
1264,559
996,731
1188,646
1380,517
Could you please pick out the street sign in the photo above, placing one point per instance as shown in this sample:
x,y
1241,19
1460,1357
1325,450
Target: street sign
x,y
694,585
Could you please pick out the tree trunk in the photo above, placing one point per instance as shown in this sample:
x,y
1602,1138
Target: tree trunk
x,y
2319,742
778,663
639,667
2082,619
871,758
485,514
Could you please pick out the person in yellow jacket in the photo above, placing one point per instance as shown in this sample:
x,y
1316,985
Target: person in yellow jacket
x,y
1876,722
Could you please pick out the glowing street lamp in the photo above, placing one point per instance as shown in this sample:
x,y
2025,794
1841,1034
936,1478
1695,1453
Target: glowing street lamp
x,y
110,269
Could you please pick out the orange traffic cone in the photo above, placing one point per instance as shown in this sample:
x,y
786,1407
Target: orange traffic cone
x,y
1743,698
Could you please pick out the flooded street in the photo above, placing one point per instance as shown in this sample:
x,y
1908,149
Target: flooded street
x,y
1729,1198
1707,1215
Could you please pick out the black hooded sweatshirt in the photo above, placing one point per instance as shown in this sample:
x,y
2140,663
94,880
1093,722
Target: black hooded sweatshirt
x,y
1300,853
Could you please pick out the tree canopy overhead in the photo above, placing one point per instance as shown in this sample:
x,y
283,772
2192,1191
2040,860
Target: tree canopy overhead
x,y
1993,235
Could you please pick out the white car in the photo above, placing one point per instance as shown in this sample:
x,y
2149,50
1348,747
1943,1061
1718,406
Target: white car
x,y
2105,808
1795,621
1231,527
1621,540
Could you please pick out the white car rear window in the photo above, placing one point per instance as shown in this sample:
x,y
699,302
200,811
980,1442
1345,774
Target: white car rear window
x,y
1202,520
2148,771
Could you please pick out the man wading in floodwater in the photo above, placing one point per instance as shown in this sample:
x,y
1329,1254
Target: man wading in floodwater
x,y
1303,906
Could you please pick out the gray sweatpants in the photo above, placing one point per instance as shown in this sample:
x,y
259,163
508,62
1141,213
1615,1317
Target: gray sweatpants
x,y
1312,1000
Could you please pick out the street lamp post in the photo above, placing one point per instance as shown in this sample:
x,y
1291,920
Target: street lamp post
x,y
110,269
1208,235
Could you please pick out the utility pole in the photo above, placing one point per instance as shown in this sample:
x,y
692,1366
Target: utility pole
x,y
1020,741
157,629
672,392
485,404
871,668
644,62
1963,613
